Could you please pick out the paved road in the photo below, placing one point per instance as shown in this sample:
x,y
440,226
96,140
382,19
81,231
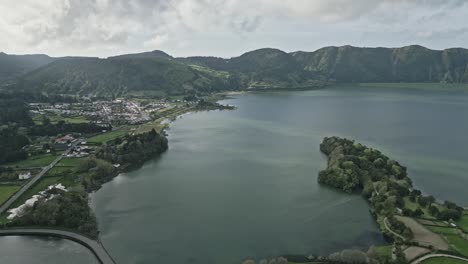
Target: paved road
x,y
421,259
96,247
34,180
391,231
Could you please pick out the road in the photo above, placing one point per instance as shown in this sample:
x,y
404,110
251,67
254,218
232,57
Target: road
x,y
391,231
96,247
34,180
421,259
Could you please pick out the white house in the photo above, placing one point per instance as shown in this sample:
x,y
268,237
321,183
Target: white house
x,y
24,176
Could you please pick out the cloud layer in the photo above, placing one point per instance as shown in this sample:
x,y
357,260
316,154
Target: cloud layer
x,y
225,27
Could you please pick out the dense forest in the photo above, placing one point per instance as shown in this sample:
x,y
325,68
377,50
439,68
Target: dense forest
x,y
354,167
134,149
11,144
13,117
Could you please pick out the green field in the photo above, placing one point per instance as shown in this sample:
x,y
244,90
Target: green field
x,y
414,205
443,230
6,191
463,222
384,251
34,161
108,136
458,244
75,119
442,260
70,162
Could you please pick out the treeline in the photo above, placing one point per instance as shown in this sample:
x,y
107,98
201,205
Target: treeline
x,y
49,129
95,172
66,209
207,105
352,166
133,149
14,110
11,144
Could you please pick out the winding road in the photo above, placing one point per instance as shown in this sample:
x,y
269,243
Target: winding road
x,y
96,247
391,231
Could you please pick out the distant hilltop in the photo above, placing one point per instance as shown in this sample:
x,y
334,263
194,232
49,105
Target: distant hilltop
x,y
158,73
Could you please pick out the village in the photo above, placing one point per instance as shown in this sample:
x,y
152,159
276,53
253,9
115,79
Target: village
x,y
116,112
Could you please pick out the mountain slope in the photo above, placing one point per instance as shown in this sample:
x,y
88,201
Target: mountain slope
x,y
150,54
263,68
406,64
12,66
119,76
158,73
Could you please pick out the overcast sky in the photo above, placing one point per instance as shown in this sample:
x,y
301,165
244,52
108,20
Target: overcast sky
x,y
225,28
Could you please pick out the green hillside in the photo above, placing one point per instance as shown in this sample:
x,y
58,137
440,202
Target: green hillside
x,y
158,73
406,64
121,75
12,66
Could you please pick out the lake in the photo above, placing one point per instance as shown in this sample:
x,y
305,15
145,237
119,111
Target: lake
x,y
243,183
22,249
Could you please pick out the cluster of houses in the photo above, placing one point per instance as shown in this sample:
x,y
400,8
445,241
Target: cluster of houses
x,y
124,111
63,143
80,151
103,112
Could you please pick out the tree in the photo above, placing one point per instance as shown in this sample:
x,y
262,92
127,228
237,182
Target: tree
x,y
423,201
418,212
433,210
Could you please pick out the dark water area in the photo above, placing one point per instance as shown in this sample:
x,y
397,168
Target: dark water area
x,y
30,249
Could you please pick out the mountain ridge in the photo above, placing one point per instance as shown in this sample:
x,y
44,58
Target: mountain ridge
x,y
266,68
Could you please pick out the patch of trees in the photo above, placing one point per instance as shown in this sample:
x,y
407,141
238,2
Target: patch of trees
x,y
11,144
207,105
49,129
66,209
13,110
352,166
399,227
95,172
133,149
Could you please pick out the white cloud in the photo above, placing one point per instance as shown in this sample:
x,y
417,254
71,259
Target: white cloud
x,y
221,27
156,41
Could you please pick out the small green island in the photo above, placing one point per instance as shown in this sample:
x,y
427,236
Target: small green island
x,y
417,227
